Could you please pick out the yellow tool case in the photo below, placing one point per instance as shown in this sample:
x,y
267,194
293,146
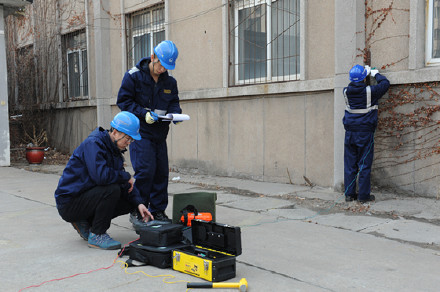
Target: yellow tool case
x,y
212,255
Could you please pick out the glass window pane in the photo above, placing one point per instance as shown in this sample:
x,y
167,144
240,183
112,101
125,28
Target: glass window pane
x,y
252,42
144,29
436,29
260,46
74,74
285,37
85,74
141,23
141,47
75,50
158,37
76,40
158,16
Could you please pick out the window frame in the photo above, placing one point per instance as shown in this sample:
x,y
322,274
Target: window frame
x,y
429,39
151,30
80,49
269,77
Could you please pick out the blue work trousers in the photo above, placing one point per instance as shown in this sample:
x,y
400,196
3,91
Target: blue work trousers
x,y
358,157
150,163
98,206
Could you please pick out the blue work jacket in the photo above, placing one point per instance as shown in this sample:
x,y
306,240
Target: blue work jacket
x,y
361,111
96,162
139,93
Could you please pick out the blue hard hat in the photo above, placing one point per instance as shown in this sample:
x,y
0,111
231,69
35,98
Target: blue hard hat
x,y
167,53
127,123
358,73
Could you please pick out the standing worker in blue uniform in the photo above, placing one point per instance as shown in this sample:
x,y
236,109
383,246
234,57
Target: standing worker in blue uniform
x,y
95,188
360,122
148,91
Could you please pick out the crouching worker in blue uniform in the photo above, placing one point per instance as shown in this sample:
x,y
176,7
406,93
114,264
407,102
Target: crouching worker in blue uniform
x,y
94,187
148,91
360,122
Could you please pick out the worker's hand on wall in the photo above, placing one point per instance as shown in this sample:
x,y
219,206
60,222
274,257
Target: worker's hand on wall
x,y
368,69
151,117
374,72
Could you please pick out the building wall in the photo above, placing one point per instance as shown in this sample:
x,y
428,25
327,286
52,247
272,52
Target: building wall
x,y
197,28
268,135
320,39
285,131
5,154
248,132
70,126
407,139
271,138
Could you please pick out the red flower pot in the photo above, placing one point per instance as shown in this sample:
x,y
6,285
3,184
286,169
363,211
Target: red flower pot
x,y
35,155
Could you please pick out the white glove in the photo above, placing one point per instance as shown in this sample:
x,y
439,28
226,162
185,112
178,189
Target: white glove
x,y
374,72
151,117
368,69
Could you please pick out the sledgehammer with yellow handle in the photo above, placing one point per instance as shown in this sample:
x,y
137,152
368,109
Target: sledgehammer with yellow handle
x,y
242,285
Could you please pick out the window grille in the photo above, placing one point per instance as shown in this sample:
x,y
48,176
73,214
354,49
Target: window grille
x,y
75,50
144,30
265,41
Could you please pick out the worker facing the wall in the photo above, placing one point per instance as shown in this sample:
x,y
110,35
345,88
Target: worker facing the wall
x,y
95,188
360,122
148,91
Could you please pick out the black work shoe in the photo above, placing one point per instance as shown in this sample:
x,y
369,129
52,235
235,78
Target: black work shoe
x,y
160,216
351,198
369,199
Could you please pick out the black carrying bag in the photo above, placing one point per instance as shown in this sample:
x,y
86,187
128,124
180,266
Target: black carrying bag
x,y
161,235
160,257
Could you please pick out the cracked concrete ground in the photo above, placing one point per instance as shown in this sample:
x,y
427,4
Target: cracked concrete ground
x,y
294,238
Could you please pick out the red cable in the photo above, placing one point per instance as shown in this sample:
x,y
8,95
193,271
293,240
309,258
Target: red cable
x,y
85,273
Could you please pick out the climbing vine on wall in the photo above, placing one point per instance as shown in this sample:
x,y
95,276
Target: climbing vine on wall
x,y
407,151
36,72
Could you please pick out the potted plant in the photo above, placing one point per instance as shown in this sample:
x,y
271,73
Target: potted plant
x,y
35,149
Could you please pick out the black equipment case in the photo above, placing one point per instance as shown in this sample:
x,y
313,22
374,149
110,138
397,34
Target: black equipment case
x,y
157,256
155,245
213,254
161,234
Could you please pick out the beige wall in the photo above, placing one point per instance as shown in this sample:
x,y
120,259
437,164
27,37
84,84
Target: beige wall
x,y
116,40
135,5
72,14
389,42
199,40
261,137
71,127
320,40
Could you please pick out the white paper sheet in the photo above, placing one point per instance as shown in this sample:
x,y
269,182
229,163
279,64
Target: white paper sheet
x,y
174,117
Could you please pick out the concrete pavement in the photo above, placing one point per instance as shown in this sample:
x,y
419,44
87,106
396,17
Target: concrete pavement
x,y
294,238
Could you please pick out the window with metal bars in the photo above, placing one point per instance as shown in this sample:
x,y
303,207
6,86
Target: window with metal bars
x,y
144,30
75,51
433,33
265,41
